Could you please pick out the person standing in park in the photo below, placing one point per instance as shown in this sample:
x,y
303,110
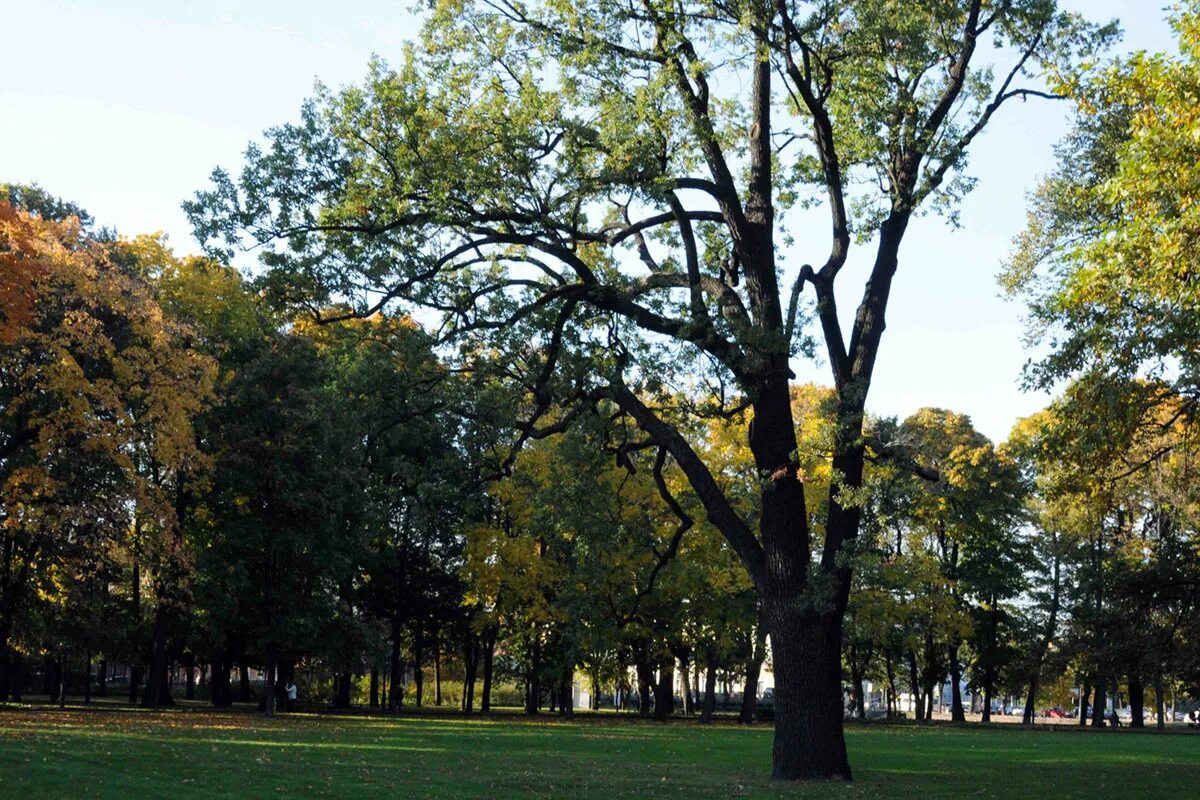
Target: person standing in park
x,y
291,696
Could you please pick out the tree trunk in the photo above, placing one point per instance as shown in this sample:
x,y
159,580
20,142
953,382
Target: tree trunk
x,y
437,671
269,688
190,688
87,678
1099,703
710,687
533,691
101,678
856,682
374,701
1137,699
809,740
63,679
914,685
489,654
645,677
1159,710
158,692
891,685
419,669
345,685
1084,694
758,654
957,714
471,662
396,671
664,693
989,667
244,695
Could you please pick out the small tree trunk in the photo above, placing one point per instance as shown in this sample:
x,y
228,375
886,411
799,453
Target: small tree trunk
x,y
419,669
489,654
758,654
471,661
957,714
190,688
135,681
269,688
62,679
87,678
396,667
437,671
101,678
1159,710
374,700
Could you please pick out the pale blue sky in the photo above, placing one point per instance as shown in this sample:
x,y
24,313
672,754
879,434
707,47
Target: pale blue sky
x,y
125,106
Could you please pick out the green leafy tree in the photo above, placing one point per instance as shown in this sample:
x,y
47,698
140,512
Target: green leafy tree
x,y
613,183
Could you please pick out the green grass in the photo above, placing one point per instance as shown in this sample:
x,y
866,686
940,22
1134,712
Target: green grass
x,y
45,753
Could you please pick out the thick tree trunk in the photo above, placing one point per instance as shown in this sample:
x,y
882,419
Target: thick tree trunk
x,y
374,700
1137,699
664,691
809,741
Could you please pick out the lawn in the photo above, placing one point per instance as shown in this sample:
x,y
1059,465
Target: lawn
x,y
45,753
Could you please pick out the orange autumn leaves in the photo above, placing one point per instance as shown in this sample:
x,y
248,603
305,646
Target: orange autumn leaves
x,y
91,371
21,264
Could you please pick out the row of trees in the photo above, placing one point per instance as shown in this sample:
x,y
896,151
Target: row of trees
x,y
581,205
227,487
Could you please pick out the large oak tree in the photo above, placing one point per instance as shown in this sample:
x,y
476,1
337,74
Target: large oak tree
x,y
600,191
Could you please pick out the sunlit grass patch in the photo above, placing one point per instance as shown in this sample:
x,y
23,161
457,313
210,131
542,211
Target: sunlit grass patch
x,y
190,753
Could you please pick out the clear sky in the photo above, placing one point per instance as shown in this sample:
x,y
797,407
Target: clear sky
x,y
125,106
